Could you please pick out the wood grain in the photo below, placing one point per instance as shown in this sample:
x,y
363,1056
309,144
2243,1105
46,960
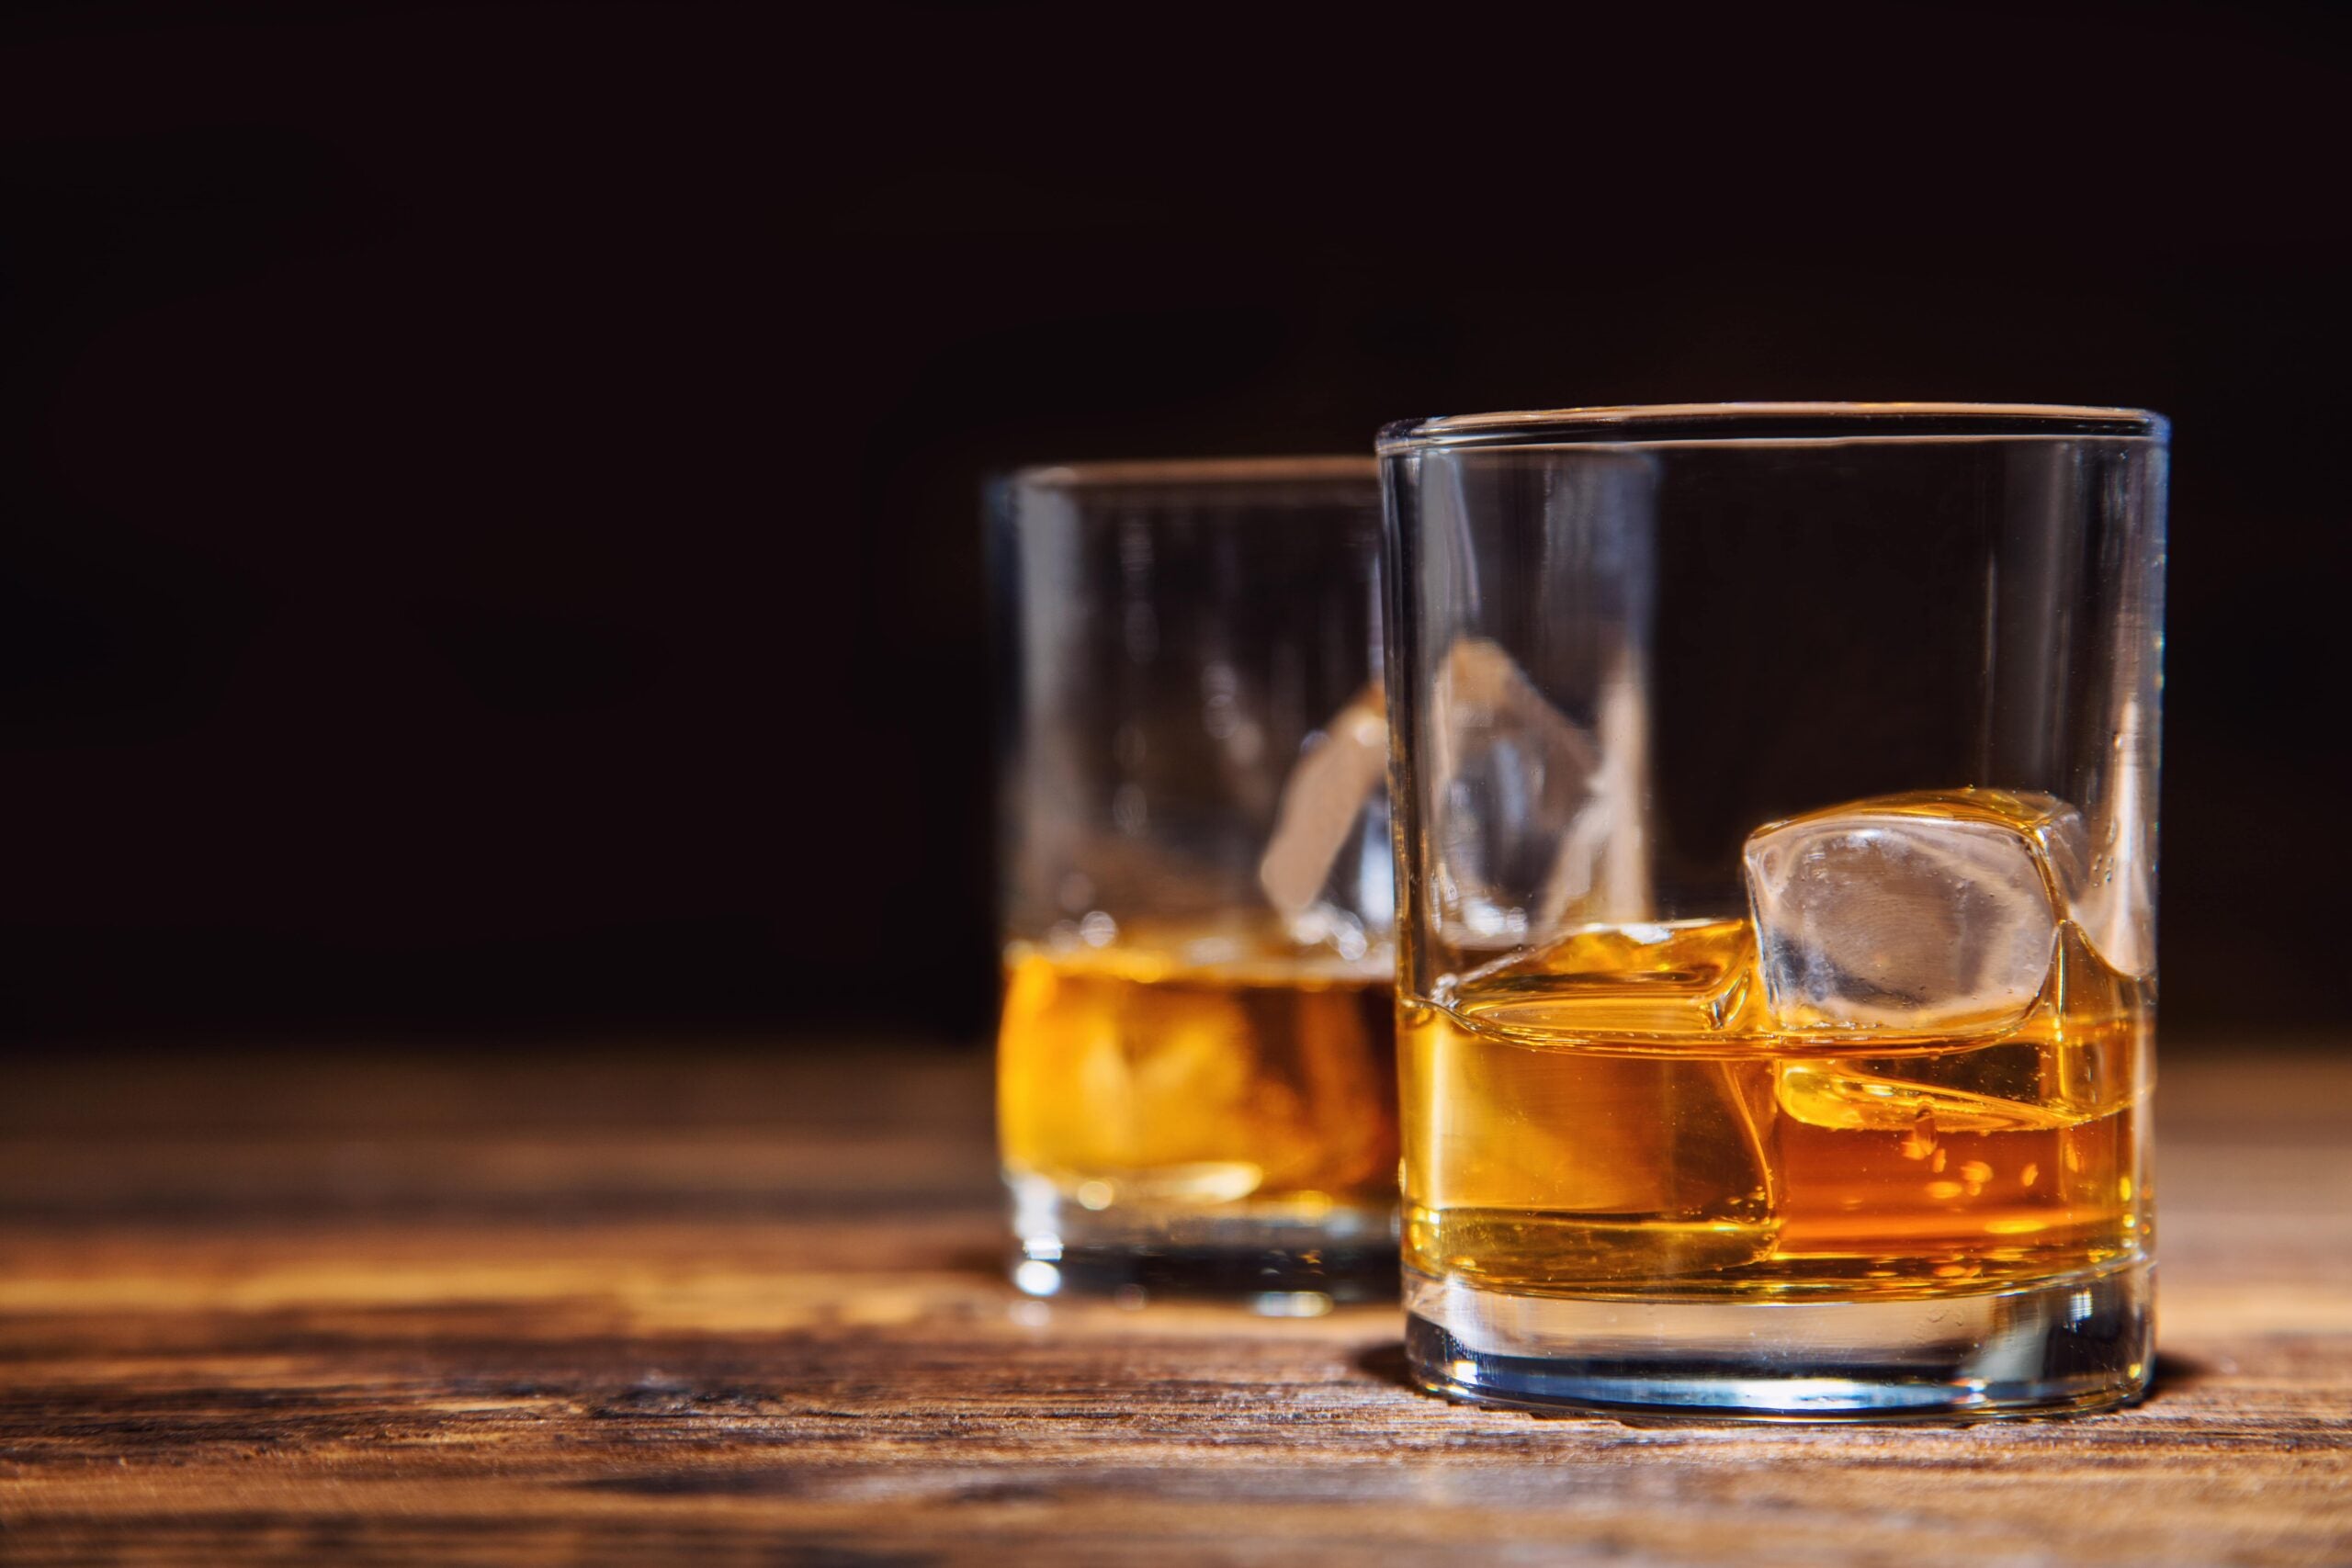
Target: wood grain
x,y
623,1305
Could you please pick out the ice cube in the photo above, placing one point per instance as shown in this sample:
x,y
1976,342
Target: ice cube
x,y
1602,870
1918,913
1584,1168
1674,977
1539,818
2117,904
1839,1095
1134,1085
1322,800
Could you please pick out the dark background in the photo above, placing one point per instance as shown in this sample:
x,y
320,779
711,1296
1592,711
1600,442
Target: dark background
x,y
489,488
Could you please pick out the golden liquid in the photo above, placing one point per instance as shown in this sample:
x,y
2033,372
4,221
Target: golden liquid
x,y
1200,1070
1615,1114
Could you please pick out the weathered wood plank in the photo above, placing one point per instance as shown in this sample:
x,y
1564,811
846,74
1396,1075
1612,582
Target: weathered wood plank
x,y
620,1308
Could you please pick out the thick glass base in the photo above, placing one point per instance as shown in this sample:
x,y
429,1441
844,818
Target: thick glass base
x,y
1298,1260
2078,1342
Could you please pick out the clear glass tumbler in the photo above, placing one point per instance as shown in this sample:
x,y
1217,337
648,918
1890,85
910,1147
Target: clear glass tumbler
x,y
1196,1066
1776,794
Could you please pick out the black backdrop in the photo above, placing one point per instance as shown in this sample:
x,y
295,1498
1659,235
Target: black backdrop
x,y
488,489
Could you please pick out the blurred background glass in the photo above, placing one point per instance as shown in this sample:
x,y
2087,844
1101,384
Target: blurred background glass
x,y
1196,1068
489,487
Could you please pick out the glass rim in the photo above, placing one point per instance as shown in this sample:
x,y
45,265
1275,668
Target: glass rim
x,y
1770,424
1147,471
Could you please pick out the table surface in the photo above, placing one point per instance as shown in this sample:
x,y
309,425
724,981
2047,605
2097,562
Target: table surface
x,y
622,1305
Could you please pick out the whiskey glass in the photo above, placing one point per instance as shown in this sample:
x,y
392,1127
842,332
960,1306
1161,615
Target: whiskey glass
x,y
1196,1062
1775,791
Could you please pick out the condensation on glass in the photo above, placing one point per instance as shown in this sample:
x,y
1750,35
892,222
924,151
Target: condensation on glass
x,y
1776,826
1196,1062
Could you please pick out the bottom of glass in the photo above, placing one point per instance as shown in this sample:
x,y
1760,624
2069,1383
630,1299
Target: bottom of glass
x,y
2076,1342
1284,1262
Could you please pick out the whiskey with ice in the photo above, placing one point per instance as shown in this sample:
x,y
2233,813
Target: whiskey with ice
x,y
1174,1081
1917,1067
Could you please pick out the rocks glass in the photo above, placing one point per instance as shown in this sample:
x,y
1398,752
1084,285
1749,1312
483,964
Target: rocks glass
x,y
1775,793
1196,1066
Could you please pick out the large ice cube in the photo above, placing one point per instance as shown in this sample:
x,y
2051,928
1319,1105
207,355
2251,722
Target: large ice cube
x,y
1915,913
1322,802
1538,818
1582,1169
2115,905
1674,977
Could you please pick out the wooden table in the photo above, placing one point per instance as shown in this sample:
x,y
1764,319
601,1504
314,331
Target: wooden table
x,y
614,1306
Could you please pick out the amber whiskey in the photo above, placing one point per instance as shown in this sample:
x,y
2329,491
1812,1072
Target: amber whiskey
x,y
1203,1073
1616,1112
1911,1071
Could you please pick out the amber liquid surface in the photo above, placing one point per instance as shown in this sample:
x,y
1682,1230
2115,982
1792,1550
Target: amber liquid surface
x,y
1616,1114
1200,1070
